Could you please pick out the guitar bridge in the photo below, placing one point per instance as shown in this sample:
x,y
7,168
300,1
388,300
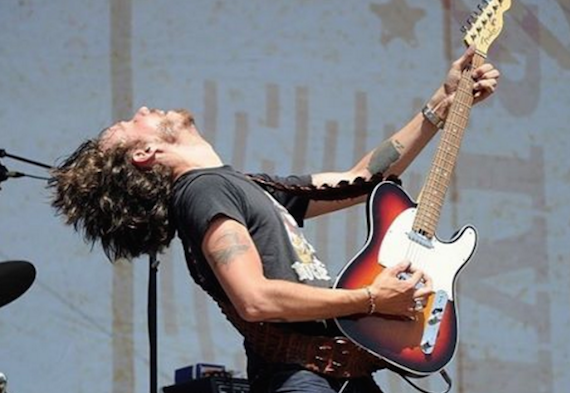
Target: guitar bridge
x,y
433,323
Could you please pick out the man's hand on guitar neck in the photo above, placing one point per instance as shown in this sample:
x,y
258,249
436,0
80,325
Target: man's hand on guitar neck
x,y
485,78
399,289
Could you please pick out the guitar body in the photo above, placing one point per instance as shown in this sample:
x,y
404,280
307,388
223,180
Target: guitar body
x,y
391,213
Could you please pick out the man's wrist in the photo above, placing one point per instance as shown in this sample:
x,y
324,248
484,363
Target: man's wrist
x,y
435,111
371,303
431,116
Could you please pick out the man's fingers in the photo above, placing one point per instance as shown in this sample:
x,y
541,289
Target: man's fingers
x,y
465,58
423,292
416,277
406,271
483,90
486,74
488,85
427,281
402,267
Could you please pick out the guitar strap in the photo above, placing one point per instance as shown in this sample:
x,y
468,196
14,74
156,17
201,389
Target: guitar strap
x,y
444,375
335,357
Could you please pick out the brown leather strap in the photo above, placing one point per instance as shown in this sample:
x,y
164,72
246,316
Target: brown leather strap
x,y
336,357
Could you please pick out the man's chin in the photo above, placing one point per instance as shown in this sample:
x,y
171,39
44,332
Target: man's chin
x,y
187,116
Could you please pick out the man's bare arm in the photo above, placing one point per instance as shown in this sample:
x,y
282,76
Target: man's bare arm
x,y
236,263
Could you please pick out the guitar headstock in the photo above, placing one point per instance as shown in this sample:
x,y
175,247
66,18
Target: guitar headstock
x,y
485,24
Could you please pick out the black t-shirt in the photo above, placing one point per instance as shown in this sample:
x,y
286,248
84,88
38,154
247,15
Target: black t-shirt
x,y
272,218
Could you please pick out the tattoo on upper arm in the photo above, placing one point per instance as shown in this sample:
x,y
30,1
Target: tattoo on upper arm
x,y
384,156
227,247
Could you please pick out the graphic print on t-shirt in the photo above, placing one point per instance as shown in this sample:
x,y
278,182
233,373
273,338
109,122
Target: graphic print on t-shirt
x,y
308,267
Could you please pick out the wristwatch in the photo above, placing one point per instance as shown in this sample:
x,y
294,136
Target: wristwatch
x,y
432,117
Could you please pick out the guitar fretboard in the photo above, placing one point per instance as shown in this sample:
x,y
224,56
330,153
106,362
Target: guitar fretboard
x,y
440,174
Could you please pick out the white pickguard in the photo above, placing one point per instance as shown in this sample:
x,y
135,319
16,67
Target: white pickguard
x,y
441,261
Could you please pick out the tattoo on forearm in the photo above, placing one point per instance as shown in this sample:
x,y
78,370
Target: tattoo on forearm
x,y
398,145
227,247
384,156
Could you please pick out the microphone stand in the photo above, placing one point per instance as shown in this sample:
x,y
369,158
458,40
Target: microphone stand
x,y
152,330
36,163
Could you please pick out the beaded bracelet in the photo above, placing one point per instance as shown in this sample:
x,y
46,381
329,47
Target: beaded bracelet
x,y
371,301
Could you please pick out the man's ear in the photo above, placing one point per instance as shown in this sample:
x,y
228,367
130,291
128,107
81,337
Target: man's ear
x,y
144,156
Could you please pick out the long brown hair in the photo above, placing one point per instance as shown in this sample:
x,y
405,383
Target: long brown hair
x,y
104,196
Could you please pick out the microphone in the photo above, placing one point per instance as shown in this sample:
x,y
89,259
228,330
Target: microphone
x,y
5,174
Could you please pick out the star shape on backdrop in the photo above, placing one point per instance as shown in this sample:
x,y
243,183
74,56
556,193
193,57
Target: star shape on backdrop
x,y
398,20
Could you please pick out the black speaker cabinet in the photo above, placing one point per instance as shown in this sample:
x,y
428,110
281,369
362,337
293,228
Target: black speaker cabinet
x,y
210,385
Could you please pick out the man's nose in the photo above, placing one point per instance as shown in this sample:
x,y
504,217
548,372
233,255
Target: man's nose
x,y
143,110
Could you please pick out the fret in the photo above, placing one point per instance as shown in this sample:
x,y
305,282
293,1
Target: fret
x,y
453,140
432,205
450,145
434,202
427,228
451,121
464,93
426,225
448,151
441,169
465,87
462,112
447,163
440,172
434,210
453,127
429,219
441,181
446,157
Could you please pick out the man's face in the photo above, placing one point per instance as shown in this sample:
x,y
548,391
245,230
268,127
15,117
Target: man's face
x,y
145,126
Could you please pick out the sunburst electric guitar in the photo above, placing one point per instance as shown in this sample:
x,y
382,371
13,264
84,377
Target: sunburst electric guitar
x,y
399,229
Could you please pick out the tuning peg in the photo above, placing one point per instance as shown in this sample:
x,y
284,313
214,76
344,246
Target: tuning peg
x,y
463,29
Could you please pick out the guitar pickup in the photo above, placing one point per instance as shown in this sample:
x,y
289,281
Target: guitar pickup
x,y
420,239
433,323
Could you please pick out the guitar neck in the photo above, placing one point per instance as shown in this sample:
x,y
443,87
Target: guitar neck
x,y
440,174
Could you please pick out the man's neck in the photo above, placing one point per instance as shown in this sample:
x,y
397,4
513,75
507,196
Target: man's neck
x,y
197,157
